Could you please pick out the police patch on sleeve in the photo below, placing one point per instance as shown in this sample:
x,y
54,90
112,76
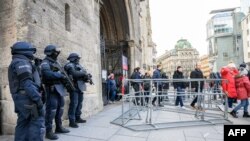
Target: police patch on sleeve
x,y
23,67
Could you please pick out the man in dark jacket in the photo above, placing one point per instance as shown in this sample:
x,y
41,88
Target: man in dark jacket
x,y
146,87
136,85
215,85
158,85
179,86
196,74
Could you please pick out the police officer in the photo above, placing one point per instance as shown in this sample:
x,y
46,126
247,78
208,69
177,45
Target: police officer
x,y
53,80
79,76
24,82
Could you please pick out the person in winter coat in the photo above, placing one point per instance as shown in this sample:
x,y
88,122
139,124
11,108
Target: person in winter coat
x,y
165,86
229,72
196,85
136,84
180,86
146,87
243,92
215,85
158,85
112,89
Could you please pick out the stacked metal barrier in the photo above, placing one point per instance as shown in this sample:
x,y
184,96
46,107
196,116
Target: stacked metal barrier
x,y
140,116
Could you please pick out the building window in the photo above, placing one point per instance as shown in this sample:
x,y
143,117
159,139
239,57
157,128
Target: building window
x,y
225,54
67,17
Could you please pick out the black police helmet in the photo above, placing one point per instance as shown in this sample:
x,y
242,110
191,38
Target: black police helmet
x,y
73,56
50,49
23,48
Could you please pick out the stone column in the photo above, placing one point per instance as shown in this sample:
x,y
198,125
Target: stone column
x,y
8,30
131,46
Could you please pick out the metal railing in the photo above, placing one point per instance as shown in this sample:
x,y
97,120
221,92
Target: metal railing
x,y
138,104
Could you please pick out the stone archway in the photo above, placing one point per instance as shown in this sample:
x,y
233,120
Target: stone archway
x,y
114,32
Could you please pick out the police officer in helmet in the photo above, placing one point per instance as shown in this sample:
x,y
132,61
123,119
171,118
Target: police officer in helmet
x,y
80,77
53,81
24,82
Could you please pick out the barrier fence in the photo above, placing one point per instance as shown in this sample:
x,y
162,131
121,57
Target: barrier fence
x,y
139,113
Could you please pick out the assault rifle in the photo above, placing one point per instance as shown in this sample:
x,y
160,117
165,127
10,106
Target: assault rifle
x,y
68,81
90,79
87,77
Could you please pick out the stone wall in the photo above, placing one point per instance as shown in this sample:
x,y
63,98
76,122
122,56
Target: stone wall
x,y
43,22
146,35
8,30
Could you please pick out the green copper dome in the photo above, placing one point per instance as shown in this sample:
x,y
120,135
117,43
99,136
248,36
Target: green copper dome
x,y
183,43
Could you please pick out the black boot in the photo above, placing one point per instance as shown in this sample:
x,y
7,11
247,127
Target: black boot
x,y
246,115
233,113
73,124
52,136
161,105
61,129
80,120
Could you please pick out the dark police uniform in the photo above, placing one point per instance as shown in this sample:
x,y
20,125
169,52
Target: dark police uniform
x,y
79,76
24,82
52,79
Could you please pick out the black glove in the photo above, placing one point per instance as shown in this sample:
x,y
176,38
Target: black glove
x,y
63,77
39,104
40,108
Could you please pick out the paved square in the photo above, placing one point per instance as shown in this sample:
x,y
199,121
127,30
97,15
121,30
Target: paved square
x,y
99,128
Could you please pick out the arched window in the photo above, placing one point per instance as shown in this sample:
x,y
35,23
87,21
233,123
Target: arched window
x,y
67,17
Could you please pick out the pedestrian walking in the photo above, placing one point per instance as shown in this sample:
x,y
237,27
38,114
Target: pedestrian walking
x,y
228,73
165,86
147,87
158,85
243,92
215,84
136,84
196,85
179,85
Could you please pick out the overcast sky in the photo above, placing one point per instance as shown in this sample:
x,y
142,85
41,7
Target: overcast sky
x,y
175,19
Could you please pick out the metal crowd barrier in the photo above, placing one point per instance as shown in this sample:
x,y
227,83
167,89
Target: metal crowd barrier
x,y
139,114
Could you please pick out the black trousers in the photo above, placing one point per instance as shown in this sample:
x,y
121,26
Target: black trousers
x,y
159,95
196,97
